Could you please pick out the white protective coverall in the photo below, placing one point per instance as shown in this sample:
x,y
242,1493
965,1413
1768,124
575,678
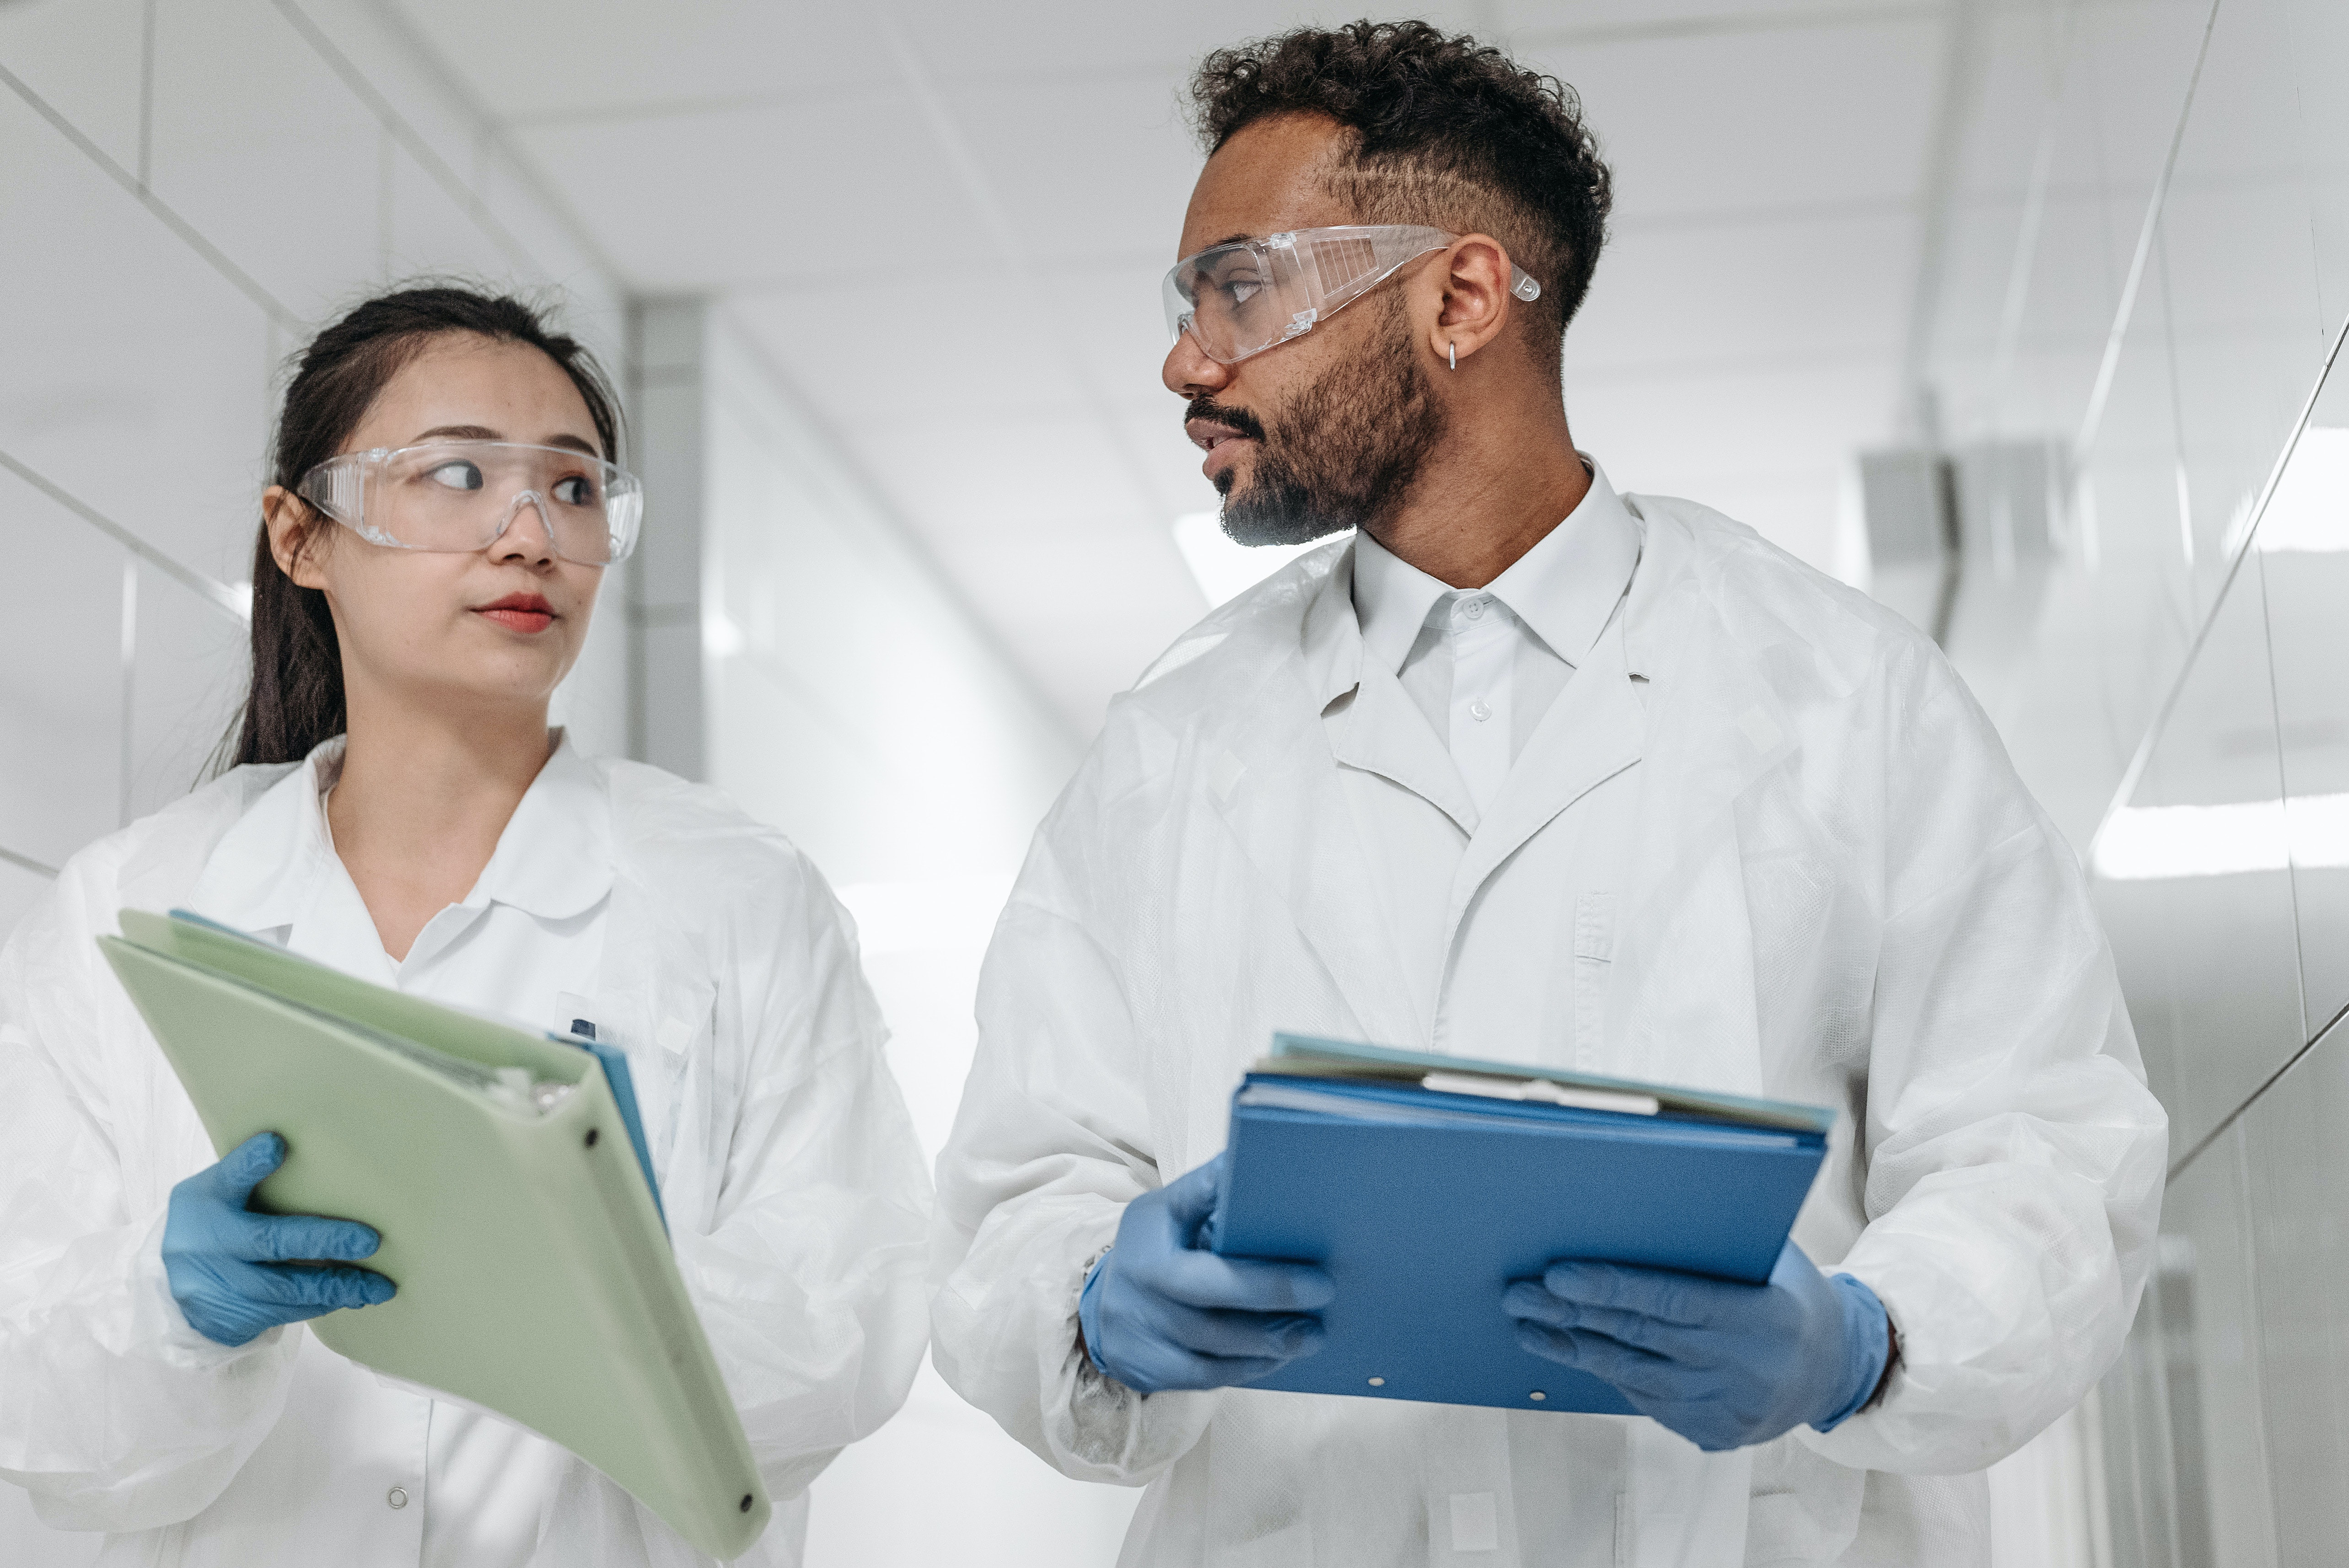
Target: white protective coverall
x,y
1829,887
791,1180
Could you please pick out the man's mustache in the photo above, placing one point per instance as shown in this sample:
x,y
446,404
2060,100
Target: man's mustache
x,y
1205,408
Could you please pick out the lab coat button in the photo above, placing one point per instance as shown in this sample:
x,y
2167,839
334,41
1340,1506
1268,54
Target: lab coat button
x,y
1480,711
397,1497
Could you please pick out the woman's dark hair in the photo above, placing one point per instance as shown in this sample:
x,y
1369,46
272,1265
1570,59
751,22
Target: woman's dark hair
x,y
1445,131
295,700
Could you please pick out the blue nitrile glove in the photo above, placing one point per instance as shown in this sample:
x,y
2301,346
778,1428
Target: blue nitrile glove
x,y
1161,1311
228,1267
1723,1365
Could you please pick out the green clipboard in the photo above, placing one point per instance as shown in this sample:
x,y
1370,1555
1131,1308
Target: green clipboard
x,y
534,1270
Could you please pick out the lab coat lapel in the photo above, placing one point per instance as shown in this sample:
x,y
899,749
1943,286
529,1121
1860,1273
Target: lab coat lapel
x,y
1593,731
1383,732
1272,778
1682,990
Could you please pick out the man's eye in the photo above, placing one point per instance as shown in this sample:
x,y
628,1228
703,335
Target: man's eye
x,y
576,490
460,475
1242,290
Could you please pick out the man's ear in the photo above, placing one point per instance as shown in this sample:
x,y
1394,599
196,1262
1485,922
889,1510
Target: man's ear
x,y
1470,288
294,536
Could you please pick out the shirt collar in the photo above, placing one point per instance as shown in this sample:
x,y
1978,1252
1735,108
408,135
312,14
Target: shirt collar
x,y
1564,588
553,860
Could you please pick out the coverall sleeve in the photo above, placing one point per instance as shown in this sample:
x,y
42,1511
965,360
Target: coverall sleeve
x,y
2014,1156
114,1414
1052,1141
809,1280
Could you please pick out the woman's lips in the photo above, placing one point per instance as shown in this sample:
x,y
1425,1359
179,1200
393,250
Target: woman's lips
x,y
524,613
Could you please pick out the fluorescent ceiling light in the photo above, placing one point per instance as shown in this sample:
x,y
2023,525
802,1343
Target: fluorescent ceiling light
x,y
2309,509
2149,843
1224,568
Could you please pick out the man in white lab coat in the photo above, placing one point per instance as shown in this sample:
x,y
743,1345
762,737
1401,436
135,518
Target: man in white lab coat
x,y
1525,770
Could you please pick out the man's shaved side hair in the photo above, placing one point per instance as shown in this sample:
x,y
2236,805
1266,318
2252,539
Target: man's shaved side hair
x,y
1443,130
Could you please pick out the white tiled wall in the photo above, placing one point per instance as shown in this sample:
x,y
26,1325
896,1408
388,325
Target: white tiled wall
x,y
187,187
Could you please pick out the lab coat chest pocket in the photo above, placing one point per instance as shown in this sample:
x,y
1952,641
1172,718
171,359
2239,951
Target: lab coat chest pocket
x,y
1594,968
656,1033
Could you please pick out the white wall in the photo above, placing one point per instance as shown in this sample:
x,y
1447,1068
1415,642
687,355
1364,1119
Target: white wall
x,y
853,701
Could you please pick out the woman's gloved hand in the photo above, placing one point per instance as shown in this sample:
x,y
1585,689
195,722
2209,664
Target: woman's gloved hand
x,y
1161,1311
1723,1365
235,1272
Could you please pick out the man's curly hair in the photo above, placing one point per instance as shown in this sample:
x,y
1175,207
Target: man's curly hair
x,y
1445,131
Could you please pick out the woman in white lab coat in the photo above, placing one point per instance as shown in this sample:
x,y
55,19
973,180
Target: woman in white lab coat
x,y
431,551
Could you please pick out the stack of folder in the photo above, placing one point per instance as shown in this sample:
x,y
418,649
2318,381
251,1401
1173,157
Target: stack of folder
x,y
1425,1184
508,1177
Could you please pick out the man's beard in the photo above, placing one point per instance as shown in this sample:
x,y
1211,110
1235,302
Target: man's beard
x,y
1344,453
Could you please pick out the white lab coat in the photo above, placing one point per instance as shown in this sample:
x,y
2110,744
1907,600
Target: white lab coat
x,y
1833,889
791,1177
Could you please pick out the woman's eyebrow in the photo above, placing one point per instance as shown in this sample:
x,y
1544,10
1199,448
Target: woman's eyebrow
x,y
483,433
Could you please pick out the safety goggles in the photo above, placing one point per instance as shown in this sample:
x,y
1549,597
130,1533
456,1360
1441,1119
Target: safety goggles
x,y
462,496
1250,296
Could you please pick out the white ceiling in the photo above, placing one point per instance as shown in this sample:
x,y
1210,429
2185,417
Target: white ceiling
x,y
870,188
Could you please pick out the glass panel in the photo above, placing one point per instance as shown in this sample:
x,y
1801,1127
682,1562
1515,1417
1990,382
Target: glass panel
x,y
2299,1169
2247,331
2194,887
2133,1409
2303,549
2210,1341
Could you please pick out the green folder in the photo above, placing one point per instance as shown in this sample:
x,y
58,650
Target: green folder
x,y
517,1217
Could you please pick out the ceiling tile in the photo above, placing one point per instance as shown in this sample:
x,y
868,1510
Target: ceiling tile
x,y
723,198
1531,22
1162,43
593,59
1817,116
1117,191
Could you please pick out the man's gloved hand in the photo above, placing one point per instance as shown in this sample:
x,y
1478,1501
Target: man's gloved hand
x,y
1161,1311
232,1271
1723,1365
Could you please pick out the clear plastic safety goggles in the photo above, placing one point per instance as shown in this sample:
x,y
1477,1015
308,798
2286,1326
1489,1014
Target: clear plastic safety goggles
x,y
462,496
1250,296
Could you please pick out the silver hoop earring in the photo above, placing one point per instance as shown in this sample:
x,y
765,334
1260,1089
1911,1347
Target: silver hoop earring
x,y
1451,352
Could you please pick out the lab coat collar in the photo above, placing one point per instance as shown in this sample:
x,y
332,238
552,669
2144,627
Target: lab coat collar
x,y
554,858
263,873
1564,588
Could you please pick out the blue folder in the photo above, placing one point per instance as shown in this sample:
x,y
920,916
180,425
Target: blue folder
x,y
1424,1203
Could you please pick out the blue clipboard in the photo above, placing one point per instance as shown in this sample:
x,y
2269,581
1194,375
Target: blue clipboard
x,y
1425,1204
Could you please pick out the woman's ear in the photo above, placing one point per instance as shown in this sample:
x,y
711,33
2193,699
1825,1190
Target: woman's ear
x,y
294,535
